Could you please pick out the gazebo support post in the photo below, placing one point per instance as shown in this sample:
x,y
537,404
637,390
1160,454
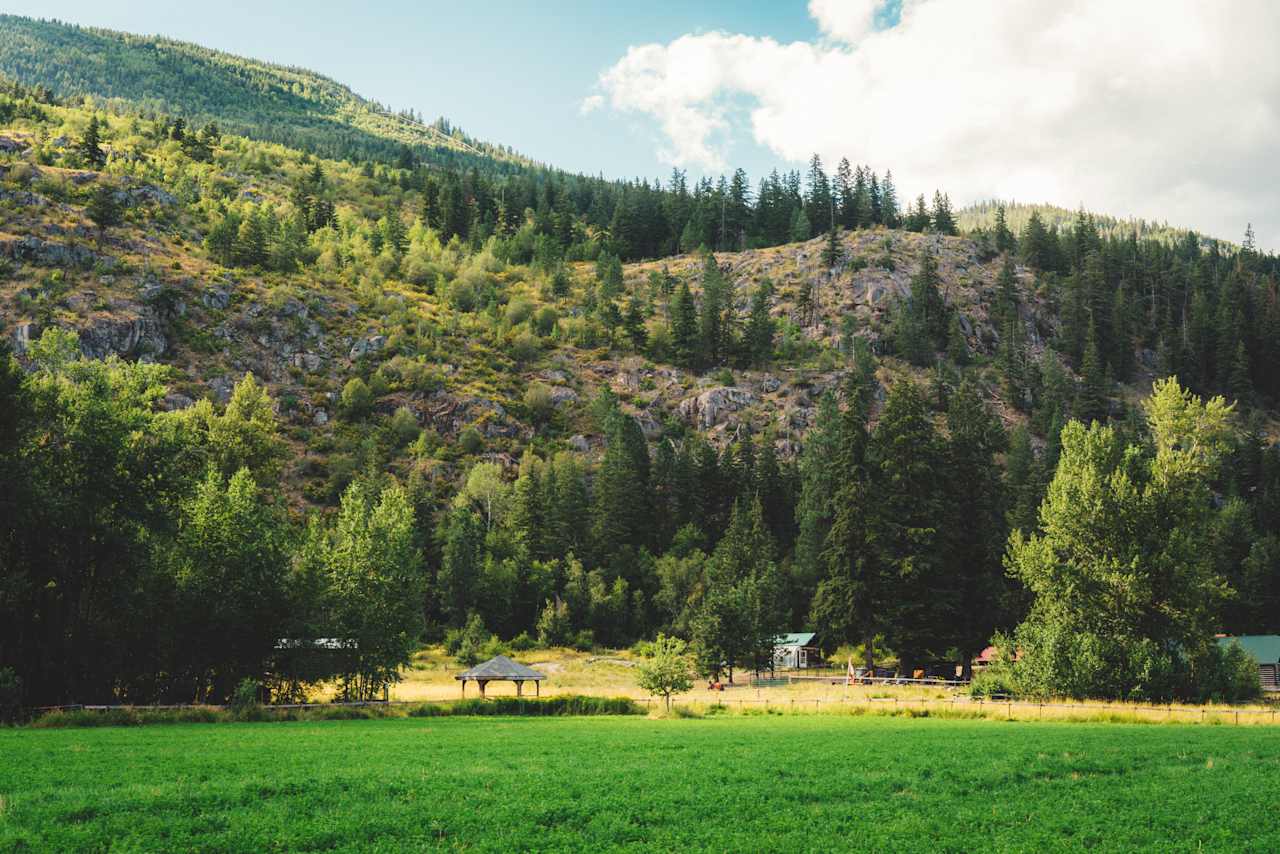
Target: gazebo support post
x,y
519,687
481,683
464,689
537,687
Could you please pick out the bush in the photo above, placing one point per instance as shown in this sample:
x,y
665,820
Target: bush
x,y
537,399
470,441
545,320
1227,674
555,625
467,644
993,681
518,311
404,426
525,347
245,698
356,398
10,695
523,642
552,706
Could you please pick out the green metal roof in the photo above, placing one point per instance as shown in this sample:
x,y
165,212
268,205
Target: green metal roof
x,y
1264,648
794,639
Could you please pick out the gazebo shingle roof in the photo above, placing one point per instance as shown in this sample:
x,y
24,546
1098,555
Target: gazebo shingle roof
x,y
501,667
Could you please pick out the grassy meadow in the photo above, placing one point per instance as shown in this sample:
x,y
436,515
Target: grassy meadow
x,y
738,782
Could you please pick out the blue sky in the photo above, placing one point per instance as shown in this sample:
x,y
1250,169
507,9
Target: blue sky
x,y
508,72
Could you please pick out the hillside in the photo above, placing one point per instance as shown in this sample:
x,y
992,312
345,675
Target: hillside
x,y
291,106
367,397
982,217
460,337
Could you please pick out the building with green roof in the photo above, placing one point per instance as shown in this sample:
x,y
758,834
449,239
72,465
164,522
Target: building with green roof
x,y
1266,651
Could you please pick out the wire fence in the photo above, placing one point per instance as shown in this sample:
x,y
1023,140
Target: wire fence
x,y
817,705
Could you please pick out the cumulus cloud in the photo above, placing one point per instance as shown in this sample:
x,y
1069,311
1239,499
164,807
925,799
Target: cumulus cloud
x,y
1157,108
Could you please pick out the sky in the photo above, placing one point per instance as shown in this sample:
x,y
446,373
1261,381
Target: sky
x,y
1164,109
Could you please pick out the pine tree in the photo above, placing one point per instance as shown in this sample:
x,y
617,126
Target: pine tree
x,y
1240,384
633,323
818,206
684,326
713,327
853,598
1003,237
622,497
845,190
800,230
759,335
251,241
957,346
103,209
889,214
875,202
740,615
942,220
90,146
1092,402
832,252
904,456
918,218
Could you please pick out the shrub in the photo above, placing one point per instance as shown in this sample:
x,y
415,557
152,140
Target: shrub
x,y
555,625
545,320
244,699
470,441
356,398
525,347
10,695
1227,674
518,311
523,642
467,644
404,426
551,706
537,398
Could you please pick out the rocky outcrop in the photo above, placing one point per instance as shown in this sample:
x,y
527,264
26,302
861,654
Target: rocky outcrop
x,y
216,298
364,346
221,388
43,253
145,194
561,395
22,337
140,337
714,406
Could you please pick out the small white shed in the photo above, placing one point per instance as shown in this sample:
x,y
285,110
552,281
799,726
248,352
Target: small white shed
x,y
795,651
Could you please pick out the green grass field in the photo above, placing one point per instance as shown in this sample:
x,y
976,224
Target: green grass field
x,y
816,783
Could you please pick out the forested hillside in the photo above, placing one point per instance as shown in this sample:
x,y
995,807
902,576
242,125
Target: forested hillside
x,y
291,106
264,390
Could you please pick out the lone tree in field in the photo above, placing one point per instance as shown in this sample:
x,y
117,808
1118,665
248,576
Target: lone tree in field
x,y
668,671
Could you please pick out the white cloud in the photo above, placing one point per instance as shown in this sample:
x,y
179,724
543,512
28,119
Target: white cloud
x,y
1158,108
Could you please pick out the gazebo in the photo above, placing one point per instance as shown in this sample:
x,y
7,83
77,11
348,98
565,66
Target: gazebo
x,y
502,669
